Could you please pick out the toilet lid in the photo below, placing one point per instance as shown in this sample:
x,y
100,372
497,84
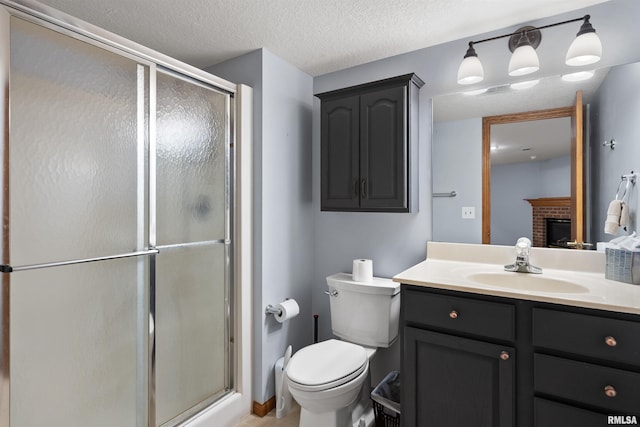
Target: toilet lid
x,y
326,362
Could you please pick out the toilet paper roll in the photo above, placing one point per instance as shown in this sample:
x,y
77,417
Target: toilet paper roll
x,y
288,310
362,270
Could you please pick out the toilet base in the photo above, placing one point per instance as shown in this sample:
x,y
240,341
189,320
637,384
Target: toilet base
x,y
358,414
339,418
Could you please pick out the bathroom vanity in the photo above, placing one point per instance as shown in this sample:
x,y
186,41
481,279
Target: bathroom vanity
x,y
484,347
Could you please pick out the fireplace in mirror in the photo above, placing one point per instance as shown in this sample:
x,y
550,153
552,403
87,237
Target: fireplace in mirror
x,y
558,232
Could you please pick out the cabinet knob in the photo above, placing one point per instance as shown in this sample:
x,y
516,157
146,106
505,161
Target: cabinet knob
x,y
504,355
611,341
453,314
363,190
609,391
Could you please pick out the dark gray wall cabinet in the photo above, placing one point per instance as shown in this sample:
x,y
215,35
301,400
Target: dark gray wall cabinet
x,y
483,361
369,144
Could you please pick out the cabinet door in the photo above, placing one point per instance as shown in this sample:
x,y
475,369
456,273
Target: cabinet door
x,y
553,414
340,134
456,382
383,150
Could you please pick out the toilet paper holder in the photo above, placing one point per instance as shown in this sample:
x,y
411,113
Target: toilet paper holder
x,y
272,310
286,310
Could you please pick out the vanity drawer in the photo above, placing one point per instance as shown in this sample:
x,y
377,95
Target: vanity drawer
x,y
607,388
593,336
459,314
547,413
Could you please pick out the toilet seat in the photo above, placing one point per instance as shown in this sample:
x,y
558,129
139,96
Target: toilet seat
x,y
326,365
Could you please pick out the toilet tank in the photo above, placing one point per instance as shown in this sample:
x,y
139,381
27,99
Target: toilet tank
x,y
364,313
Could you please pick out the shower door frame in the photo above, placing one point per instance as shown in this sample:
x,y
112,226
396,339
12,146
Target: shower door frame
x,y
238,159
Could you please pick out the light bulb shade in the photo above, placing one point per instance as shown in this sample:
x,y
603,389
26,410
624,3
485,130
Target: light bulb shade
x,y
470,71
524,60
585,49
525,85
579,76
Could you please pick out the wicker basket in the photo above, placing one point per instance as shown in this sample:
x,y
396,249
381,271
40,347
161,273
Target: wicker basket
x,y
386,401
383,418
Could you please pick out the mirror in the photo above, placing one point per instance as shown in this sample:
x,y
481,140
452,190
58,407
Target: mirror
x,y
460,163
611,100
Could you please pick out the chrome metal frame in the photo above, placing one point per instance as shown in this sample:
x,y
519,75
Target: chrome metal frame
x,y
150,62
151,337
63,21
231,207
5,56
193,244
78,261
143,282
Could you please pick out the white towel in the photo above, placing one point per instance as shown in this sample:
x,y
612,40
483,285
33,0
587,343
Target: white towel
x,y
624,214
613,217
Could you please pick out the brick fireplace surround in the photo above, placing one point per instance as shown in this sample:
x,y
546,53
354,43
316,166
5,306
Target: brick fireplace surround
x,y
547,207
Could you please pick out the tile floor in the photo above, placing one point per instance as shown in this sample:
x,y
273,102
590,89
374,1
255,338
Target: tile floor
x,y
292,419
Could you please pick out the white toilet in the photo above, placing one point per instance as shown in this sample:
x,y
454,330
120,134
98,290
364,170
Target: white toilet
x,y
327,378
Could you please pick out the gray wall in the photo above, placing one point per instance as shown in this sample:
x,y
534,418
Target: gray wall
x,y
283,214
614,115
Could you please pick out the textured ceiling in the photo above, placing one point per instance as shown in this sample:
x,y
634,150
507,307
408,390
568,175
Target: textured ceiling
x,y
317,36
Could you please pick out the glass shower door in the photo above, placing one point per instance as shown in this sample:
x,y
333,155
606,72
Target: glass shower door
x,y
116,242
77,212
192,280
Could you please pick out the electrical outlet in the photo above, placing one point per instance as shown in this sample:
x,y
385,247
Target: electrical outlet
x,y
468,212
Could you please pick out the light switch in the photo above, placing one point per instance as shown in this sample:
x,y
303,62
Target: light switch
x,y
468,212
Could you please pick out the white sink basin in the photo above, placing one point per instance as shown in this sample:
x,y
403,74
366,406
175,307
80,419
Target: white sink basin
x,y
527,282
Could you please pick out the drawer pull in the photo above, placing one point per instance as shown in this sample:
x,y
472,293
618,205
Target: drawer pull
x,y
504,355
453,314
609,391
611,341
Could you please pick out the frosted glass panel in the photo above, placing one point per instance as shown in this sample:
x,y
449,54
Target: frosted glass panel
x,y
73,148
192,131
73,345
190,328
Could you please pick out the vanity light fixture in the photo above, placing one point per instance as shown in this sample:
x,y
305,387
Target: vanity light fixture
x,y
524,59
585,49
470,71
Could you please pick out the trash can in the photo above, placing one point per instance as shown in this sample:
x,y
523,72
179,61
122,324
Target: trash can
x,y
386,401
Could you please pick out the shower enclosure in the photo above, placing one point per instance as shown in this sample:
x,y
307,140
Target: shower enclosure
x,y
117,251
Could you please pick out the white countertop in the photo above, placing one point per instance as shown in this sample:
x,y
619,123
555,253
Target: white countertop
x,y
452,266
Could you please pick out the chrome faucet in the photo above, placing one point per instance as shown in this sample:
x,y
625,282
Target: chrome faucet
x,y
523,247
